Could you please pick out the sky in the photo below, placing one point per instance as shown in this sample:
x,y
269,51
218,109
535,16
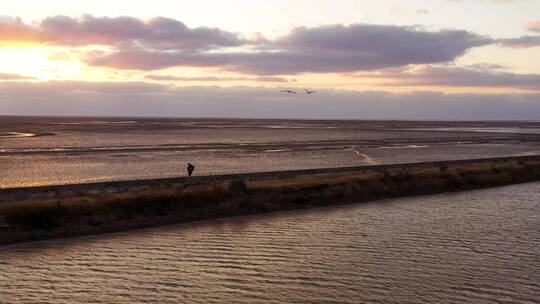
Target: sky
x,y
366,59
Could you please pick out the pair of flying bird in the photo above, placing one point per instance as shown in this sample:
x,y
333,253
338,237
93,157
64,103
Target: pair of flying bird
x,y
294,92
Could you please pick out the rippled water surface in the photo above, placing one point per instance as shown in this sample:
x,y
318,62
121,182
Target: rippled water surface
x,y
471,247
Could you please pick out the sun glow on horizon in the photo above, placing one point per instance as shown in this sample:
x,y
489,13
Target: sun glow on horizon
x,y
35,61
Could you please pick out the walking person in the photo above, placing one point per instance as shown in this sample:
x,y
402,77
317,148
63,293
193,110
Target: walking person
x,y
190,169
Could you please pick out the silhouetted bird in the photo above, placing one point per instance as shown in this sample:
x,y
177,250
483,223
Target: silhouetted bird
x,y
190,169
309,92
288,92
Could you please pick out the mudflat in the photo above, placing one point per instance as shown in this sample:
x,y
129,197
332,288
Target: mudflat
x,y
38,151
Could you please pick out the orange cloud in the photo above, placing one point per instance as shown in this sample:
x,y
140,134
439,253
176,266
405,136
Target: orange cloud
x,y
533,26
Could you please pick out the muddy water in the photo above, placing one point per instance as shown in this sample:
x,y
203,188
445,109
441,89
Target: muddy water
x,y
471,247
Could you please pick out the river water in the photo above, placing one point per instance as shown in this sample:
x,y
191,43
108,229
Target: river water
x,y
478,246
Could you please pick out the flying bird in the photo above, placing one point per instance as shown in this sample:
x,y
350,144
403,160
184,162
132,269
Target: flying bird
x,y
309,92
288,92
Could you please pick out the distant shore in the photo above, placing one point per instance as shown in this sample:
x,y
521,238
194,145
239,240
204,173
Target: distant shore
x,y
46,212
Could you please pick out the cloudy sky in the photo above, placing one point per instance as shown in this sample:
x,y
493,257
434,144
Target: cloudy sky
x,y
395,59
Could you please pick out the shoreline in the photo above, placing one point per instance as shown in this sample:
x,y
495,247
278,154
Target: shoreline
x,y
46,212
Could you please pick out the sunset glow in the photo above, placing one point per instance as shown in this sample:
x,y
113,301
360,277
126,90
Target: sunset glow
x,y
359,46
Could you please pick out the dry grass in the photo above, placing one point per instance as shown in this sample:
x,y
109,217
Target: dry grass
x,y
313,180
104,212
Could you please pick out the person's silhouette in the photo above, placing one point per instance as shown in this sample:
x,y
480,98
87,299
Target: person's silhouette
x,y
190,169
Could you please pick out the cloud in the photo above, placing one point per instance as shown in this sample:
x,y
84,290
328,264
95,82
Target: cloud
x,y
528,41
398,9
162,42
158,43
522,42
488,76
143,99
156,33
533,26
214,78
5,76
14,29
334,48
393,8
